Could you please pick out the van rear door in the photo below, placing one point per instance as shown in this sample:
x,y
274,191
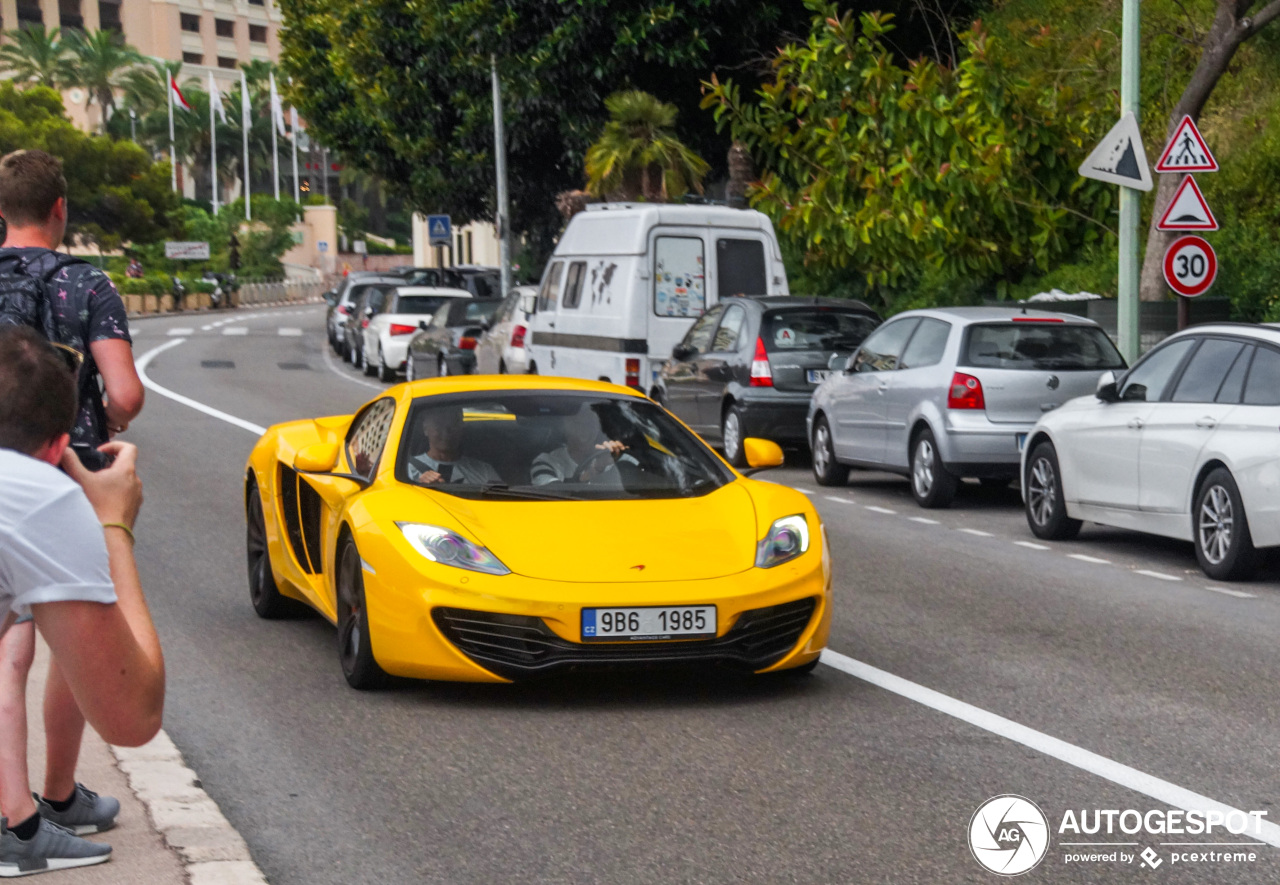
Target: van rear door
x,y
679,290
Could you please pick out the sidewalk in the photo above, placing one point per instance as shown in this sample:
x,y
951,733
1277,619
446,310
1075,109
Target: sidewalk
x,y
169,831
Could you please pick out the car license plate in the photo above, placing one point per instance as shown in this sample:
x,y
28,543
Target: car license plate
x,y
817,376
649,622
1022,441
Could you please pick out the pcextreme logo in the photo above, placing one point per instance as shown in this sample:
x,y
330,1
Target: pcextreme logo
x,y
1009,835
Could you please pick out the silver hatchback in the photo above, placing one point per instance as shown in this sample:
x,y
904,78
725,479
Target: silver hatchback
x,y
947,393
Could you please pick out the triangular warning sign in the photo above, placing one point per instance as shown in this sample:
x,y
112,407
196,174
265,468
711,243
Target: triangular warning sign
x,y
1186,151
1120,158
1188,211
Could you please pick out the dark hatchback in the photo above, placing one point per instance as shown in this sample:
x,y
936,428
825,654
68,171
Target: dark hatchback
x,y
749,365
447,344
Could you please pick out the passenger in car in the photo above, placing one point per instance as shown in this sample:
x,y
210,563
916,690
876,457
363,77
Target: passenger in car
x,y
584,450
439,431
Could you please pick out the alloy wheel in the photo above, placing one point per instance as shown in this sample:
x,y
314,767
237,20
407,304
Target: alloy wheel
x,y
732,434
350,610
256,542
922,468
1040,490
1217,520
822,448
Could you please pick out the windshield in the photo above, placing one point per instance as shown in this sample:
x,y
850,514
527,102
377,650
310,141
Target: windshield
x,y
552,445
1040,345
472,311
420,303
815,328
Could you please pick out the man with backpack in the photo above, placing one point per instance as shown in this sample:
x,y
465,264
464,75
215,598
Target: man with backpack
x,y
76,307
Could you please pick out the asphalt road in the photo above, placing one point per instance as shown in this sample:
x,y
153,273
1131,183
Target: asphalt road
x,y
1130,655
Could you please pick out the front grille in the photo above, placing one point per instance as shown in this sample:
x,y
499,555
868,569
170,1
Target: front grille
x,y
519,647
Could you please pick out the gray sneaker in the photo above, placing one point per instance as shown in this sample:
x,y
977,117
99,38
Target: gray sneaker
x,y
89,812
51,848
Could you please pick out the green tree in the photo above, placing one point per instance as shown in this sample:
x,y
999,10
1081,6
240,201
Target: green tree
x,y
116,193
37,56
99,60
921,171
638,154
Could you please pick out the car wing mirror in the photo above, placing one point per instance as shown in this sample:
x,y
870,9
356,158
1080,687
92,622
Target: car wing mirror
x,y
529,303
317,458
851,364
761,454
422,324
1107,390
838,362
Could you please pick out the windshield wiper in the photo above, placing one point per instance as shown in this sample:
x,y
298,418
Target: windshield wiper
x,y
502,490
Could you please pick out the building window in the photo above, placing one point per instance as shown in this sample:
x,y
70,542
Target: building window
x,y
228,63
257,2
29,14
109,16
69,15
258,33
224,27
190,22
192,58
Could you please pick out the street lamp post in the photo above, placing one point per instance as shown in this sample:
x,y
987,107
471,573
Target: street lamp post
x,y
500,154
1127,308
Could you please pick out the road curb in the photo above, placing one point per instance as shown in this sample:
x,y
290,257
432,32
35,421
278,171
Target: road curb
x,y
188,819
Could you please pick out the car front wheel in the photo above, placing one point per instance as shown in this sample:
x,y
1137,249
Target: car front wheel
x,y
1224,545
1046,507
731,436
355,651
931,483
826,469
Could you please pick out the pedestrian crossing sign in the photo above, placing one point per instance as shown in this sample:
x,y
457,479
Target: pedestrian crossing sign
x,y
1186,151
439,230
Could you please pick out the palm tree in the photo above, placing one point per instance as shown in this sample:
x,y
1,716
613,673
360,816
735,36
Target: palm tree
x,y
100,60
34,55
638,153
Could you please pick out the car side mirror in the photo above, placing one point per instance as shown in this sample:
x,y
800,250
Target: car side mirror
x,y
368,311
317,458
529,303
681,351
422,324
1107,391
761,454
851,364
837,363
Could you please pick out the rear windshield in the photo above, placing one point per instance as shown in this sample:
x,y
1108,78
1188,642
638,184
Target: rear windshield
x,y
1040,345
815,328
420,303
470,310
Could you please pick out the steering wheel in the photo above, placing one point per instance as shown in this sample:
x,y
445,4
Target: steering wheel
x,y
592,459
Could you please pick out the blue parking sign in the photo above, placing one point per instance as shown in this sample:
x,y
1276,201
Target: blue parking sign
x,y
439,230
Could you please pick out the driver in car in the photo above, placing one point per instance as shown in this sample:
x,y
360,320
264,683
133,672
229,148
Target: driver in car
x,y
584,450
440,430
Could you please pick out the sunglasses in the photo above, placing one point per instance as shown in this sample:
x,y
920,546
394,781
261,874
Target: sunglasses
x,y
73,358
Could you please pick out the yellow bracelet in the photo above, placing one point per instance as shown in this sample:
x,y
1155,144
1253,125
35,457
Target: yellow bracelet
x,y
120,525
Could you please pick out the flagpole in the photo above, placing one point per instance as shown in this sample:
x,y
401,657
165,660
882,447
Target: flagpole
x,y
293,137
213,141
245,124
173,156
275,147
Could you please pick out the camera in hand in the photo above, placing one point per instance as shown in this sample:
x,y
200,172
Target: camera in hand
x,y
91,458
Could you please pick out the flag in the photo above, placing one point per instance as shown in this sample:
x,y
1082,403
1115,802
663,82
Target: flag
x,y
277,107
215,99
179,100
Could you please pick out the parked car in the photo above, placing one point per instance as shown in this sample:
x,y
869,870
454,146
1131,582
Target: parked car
x,y
749,366
480,280
387,330
340,304
1182,445
501,350
446,346
366,302
628,280
948,393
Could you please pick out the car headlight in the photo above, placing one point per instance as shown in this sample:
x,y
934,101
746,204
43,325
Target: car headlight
x,y
450,548
788,538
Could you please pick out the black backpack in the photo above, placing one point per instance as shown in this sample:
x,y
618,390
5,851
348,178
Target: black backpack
x,y
25,301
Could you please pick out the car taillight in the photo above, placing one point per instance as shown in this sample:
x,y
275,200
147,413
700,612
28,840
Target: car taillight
x,y
364,323
633,373
343,309
401,329
761,371
466,342
517,336
965,392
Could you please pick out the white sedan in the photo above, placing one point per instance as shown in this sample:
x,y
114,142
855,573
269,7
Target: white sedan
x,y
388,327
1183,445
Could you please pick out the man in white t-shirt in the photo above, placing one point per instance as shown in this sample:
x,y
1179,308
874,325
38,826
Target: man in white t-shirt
x,y
66,559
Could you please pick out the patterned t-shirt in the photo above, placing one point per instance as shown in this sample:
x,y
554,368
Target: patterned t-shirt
x,y
87,308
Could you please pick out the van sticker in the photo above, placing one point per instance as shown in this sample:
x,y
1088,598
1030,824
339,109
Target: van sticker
x,y
784,337
601,280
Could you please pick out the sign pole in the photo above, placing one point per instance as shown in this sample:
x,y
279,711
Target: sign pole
x,y
500,152
1127,313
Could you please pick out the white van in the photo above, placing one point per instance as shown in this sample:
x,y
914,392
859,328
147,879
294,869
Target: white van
x,y
627,280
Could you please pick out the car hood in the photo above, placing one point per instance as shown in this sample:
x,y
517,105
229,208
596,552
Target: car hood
x,y
681,539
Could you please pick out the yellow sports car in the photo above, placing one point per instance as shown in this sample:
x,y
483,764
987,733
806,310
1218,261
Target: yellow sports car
x,y
497,528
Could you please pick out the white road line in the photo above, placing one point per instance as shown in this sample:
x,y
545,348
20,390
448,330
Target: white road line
x,y
840,500
328,361
206,328
145,360
1095,560
1238,594
289,332
923,520
235,330
174,333
804,491
980,534
1131,778
1031,545
880,510
1160,575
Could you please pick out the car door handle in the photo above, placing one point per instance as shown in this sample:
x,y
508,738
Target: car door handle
x,y
1135,424
1207,422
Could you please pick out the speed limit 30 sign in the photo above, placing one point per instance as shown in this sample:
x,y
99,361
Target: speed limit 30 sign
x,y
1190,266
